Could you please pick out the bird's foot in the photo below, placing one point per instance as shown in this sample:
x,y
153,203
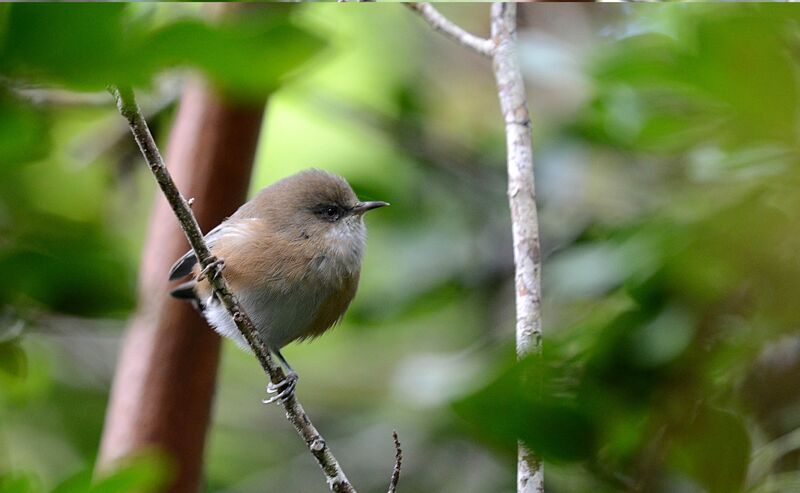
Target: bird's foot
x,y
282,390
214,268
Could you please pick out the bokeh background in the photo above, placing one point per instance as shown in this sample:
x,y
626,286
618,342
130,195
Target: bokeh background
x,y
667,175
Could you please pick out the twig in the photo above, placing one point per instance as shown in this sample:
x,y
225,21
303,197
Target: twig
x,y
440,23
126,103
398,463
524,216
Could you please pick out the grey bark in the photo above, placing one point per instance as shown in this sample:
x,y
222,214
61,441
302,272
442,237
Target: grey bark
x,y
524,217
443,25
501,48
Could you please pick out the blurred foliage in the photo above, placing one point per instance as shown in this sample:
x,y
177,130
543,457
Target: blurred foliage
x,y
646,396
90,46
666,152
74,266
23,132
147,472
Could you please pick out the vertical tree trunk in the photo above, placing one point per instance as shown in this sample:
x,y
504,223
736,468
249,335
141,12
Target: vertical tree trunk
x,y
524,216
501,48
164,382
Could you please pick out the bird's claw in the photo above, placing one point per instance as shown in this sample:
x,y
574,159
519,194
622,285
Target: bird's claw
x,y
215,265
283,390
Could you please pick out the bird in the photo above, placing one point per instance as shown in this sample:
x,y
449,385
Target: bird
x,y
291,256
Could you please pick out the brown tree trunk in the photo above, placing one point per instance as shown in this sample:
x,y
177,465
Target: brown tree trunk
x,y
164,383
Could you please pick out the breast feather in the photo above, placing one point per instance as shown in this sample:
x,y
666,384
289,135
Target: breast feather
x,y
332,309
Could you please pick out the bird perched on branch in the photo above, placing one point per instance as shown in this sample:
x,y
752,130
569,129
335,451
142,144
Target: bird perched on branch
x,y
292,256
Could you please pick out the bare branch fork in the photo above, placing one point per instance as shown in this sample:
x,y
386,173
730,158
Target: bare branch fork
x,y
501,48
443,25
128,108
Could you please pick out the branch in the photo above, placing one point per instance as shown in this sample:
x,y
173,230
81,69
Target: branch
x,y
522,202
440,23
128,108
398,462
501,48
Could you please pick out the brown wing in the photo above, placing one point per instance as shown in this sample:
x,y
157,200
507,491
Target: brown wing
x,y
332,309
235,242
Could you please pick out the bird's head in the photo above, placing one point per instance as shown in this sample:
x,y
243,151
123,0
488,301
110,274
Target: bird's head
x,y
317,206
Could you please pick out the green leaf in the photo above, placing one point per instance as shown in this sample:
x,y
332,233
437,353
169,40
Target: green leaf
x,y
145,473
714,448
83,45
513,407
250,57
88,46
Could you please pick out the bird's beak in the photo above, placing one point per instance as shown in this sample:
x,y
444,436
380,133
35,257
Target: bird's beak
x,y
363,207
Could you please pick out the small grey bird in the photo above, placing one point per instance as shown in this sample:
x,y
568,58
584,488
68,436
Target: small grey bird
x,y
292,257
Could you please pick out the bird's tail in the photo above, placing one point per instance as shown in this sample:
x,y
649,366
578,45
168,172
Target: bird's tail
x,y
185,291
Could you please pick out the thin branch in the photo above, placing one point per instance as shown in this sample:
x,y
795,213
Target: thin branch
x,y
440,23
126,103
521,190
398,463
524,216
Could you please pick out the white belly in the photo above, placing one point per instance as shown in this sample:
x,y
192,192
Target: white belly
x,y
279,318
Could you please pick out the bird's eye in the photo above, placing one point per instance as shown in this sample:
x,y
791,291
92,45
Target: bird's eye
x,y
330,212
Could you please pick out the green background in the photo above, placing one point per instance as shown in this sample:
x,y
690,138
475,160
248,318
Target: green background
x,y
665,145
